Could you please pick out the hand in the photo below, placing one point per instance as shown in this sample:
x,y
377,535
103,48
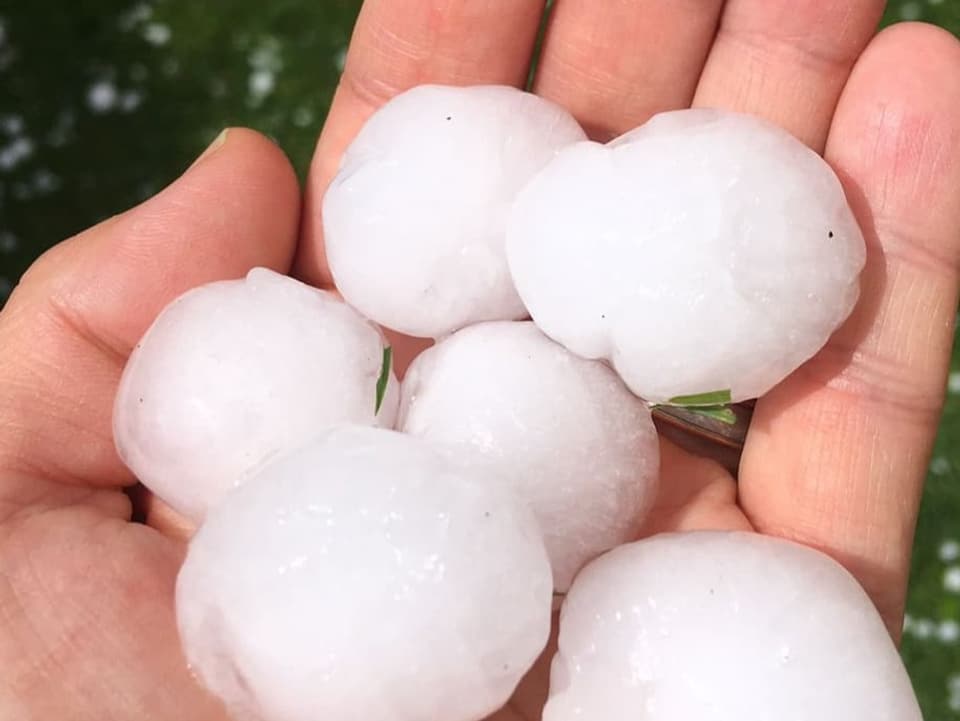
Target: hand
x,y
86,597
835,457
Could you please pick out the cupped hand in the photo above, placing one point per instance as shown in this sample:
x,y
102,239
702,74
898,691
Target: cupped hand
x,y
835,457
86,597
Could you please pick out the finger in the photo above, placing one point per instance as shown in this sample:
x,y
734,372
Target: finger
x,y
70,324
405,349
787,60
168,522
695,494
151,511
836,455
616,63
88,626
396,45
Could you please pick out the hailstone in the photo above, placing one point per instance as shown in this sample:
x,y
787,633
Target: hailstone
x,y
237,371
365,576
414,220
565,432
714,626
704,252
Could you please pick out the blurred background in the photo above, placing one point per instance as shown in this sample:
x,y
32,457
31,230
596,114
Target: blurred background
x,y
103,102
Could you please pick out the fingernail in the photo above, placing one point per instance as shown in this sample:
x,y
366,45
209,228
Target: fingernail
x,y
213,147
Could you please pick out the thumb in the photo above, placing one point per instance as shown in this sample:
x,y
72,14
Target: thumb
x,y
70,324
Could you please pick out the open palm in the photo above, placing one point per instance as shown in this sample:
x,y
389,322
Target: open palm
x,y
835,457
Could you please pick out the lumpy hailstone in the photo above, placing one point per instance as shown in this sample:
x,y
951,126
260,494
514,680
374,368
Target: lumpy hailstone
x,y
365,576
565,432
721,627
414,221
237,371
709,251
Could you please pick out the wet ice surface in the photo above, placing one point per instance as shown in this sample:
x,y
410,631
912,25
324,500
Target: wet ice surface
x,y
235,372
364,577
414,221
723,627
563,431
708,250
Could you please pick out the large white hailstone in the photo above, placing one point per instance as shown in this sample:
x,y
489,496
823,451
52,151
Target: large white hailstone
x,y
705,251
365,576
414,221
714,626
235,372
564,432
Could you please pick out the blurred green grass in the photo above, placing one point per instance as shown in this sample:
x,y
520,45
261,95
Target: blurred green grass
x,y
104,102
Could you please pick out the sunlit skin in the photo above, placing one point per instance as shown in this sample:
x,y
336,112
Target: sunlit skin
x,y
835,457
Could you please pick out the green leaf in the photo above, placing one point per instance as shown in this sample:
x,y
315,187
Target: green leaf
x,y
713,398
718,413
384,377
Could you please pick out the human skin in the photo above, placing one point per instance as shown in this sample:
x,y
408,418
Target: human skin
x,y
835,457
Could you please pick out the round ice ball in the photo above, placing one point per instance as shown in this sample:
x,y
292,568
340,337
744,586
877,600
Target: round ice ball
x,y
712,626
237,371
365,576
414,221
564,432
702,252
